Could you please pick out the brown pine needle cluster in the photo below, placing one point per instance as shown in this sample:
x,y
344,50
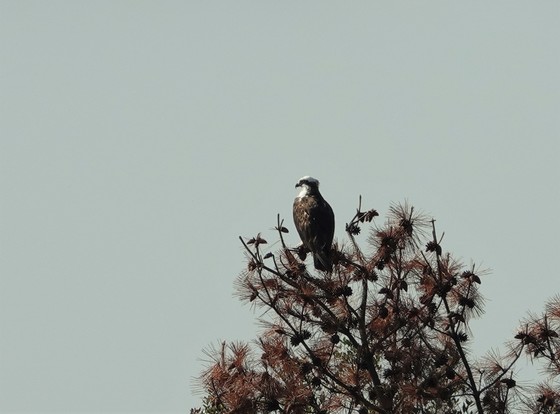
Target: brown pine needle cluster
x,y
387,331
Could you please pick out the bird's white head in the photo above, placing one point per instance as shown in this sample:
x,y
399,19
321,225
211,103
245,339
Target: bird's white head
x,y
308,184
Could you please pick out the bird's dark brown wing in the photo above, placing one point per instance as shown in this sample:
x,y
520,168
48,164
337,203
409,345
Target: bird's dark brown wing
x,y
314,221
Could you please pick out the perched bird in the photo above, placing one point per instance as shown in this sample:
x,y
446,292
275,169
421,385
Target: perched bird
x,y
314,221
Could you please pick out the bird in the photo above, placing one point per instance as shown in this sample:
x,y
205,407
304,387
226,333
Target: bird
x,y
314,221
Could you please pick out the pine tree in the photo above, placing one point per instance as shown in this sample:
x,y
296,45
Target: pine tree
x,y
387,331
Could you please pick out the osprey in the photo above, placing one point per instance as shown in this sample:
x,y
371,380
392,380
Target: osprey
x,y
314,220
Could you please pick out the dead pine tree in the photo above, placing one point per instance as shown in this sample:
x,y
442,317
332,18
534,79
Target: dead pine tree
x,y
386,330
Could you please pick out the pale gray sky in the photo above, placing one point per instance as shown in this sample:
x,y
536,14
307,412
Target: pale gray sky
x,y
139,139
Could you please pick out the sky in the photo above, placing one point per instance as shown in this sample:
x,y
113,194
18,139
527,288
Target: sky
x,y
140,139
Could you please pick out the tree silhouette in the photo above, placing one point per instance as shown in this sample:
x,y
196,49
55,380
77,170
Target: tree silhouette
x,y
387,331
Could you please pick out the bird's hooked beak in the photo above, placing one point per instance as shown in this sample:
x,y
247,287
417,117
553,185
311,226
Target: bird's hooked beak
x,y
298,184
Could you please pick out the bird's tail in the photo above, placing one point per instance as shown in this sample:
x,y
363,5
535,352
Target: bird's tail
x,y
322,261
